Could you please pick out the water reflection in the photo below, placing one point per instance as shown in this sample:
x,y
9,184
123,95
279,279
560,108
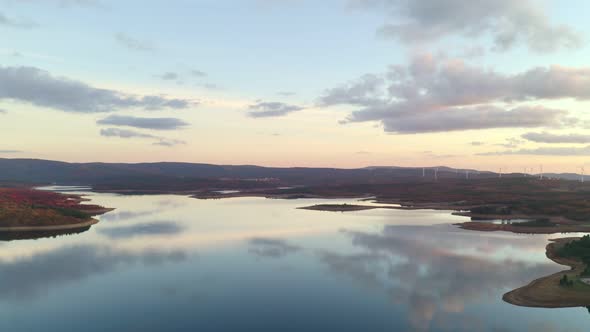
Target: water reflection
x,y
142,229
28,277
271,247
263,265
425,272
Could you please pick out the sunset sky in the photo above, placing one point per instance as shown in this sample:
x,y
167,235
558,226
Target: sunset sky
x,y
338,83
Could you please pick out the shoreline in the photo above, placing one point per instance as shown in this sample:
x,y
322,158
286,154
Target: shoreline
x,y
545,292
86,223
28,210
560,224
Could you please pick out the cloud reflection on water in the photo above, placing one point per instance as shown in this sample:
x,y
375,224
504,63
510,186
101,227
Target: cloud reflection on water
x,y
422,268
271,247
29,277
143,229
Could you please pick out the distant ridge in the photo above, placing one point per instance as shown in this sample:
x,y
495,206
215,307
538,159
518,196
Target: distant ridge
x,y
96,174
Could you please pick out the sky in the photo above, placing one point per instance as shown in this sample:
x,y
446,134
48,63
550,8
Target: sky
x,y
336,83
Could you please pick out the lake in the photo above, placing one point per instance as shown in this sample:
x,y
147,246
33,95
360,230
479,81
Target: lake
x,y
174,263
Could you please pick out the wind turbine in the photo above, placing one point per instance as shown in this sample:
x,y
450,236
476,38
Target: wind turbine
x,y
436,174
500,173
541,174
582,175
467,174
423,171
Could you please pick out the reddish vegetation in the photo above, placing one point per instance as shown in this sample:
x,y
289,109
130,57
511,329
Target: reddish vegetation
x,y
27,207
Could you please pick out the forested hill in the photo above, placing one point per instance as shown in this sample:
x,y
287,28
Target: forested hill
x,y
192,174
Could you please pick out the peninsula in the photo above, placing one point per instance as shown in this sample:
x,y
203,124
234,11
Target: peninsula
x,y
25,210
570,288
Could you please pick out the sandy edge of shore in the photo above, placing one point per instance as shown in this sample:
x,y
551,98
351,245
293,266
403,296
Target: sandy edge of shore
x,y
545,292
86,223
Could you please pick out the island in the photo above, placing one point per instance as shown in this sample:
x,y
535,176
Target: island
x,y
570,288
27,212
339,207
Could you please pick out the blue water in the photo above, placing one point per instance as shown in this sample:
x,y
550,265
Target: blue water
x,y
174,263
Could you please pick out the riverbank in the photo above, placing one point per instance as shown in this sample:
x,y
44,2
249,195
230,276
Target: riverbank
x,y
546,292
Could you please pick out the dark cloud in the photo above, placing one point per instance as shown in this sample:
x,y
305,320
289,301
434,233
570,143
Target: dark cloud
x,y
272,109
144,123
144,229
270,247
16,23
507,22
545,137
544,151
437,94
28,277
40,88
10,151
133,43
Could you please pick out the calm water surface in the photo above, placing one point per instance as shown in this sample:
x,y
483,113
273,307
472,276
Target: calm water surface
x,y
173,263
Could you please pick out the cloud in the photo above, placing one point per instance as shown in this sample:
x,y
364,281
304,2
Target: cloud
x,y
3,111
507,22
133,43
40,88
175,76
68,3
272,109
169,142
125,133
10,151
144,229
144,123
436,94
16,23
169,76
485,117
545,137
209,86
511,143
198,73
544,151
80,3
286,93
270,247
477,143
